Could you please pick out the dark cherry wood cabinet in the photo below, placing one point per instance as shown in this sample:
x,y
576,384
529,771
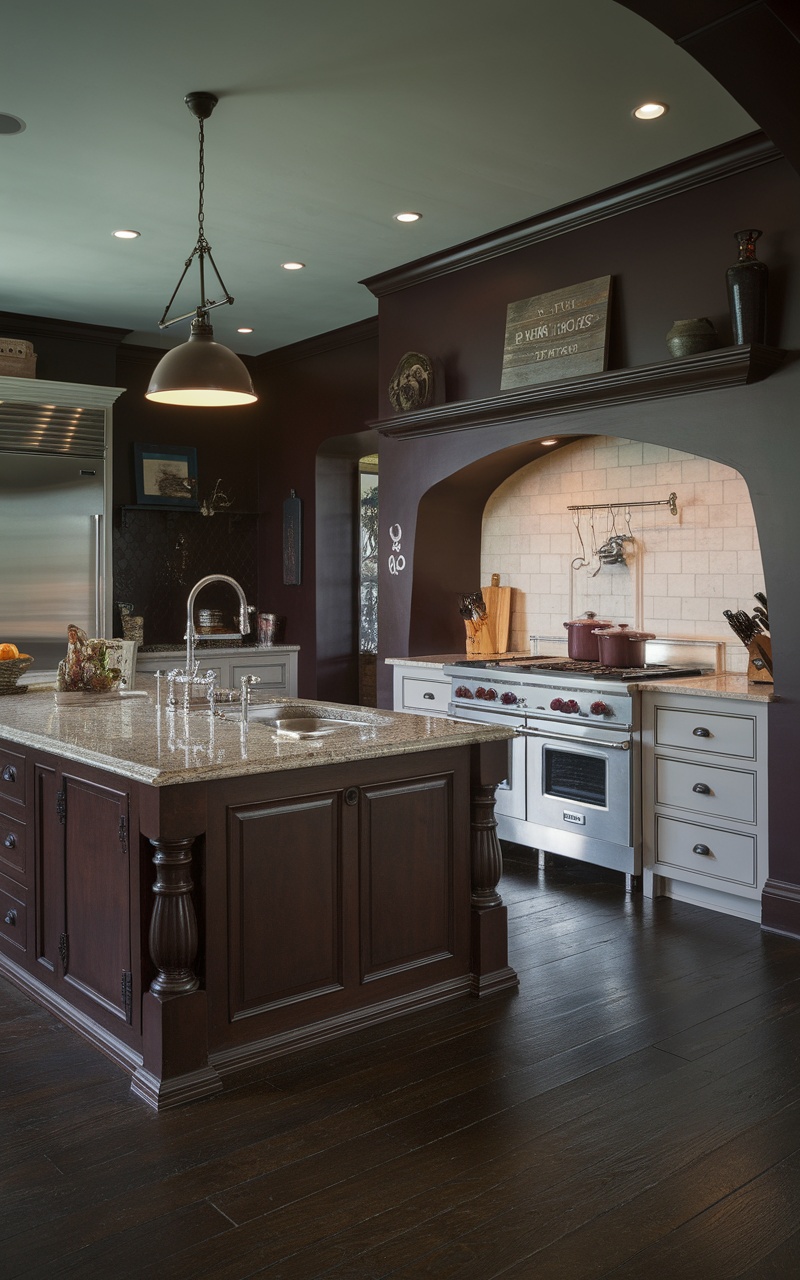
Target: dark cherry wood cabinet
x,y
190,930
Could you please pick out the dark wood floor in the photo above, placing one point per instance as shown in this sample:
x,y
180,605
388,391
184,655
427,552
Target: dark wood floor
x,y
634,1112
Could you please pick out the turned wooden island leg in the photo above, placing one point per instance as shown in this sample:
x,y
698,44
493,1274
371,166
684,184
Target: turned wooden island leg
x,y
175,1068
489,950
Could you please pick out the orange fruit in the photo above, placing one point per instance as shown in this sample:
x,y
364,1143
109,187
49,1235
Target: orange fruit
x,y
8,651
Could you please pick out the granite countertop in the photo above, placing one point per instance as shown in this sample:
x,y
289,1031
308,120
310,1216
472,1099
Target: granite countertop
x,y
129,736
715,686
447,659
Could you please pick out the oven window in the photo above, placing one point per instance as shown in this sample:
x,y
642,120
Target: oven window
x,y
573,776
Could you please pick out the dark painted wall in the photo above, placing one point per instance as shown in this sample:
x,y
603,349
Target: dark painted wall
x,y
317,396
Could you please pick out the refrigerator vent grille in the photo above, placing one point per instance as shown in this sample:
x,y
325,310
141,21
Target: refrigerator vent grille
x,y
47,428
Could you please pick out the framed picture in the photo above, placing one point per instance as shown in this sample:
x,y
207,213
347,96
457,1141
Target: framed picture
x,y
166,476
292,540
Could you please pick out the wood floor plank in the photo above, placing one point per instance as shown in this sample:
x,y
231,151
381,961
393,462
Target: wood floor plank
x,y
637,1101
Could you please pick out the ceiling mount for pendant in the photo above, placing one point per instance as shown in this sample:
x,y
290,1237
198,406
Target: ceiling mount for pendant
x,y
200,371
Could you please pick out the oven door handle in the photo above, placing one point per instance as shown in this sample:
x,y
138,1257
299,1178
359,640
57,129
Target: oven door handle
x,y
577,742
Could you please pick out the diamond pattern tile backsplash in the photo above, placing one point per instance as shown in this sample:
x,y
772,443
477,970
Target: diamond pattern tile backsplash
x,y
158,556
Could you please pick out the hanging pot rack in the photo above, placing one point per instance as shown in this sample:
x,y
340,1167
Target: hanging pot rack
x,y
671,502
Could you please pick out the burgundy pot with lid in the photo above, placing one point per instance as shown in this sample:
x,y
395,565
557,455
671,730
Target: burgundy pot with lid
x,y
622,647
582,637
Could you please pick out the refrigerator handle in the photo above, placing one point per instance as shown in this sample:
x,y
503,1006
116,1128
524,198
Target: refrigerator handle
x,y
99,573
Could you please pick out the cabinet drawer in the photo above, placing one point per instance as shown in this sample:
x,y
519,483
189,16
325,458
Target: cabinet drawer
x,y
12,775
273,676
13,846
726,855
706,789
421,693
710,731
13,914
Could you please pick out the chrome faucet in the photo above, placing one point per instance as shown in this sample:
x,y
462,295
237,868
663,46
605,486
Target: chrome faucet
x,y
191,634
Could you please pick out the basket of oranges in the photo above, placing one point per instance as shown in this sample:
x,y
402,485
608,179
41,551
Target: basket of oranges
x,y
12,665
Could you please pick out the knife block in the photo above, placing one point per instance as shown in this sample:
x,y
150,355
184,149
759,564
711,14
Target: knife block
x,y
759,675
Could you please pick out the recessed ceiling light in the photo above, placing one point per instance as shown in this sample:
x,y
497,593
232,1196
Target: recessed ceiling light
x,y
651,110
548,442
293,266
244,329
11,124
407,217
127,235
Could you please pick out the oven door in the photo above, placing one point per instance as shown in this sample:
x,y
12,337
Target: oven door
x,y
580,785
509,801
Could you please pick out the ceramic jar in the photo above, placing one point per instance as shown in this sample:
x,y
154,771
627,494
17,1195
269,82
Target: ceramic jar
x,y
690,337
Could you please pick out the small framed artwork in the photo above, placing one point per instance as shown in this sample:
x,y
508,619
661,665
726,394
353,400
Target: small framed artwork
x,y
166,476
292,540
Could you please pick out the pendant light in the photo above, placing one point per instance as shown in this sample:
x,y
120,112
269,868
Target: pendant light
x,y
200,372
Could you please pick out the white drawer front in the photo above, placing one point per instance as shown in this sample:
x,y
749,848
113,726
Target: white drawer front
x,y
420,693
706,789
272,675
710,731
724,855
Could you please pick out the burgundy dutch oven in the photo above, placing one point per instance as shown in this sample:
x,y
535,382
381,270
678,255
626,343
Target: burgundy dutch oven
x,y
582,637
622,647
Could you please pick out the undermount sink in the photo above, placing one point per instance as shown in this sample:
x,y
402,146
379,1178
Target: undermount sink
x,y
306,722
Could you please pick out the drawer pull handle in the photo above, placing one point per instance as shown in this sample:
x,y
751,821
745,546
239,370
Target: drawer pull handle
x,y
702,788
702,848
10,841
429,696
11,916
701,732
351,795
9,773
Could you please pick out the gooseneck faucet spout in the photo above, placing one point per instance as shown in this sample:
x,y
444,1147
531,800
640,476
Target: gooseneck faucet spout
x,y
191,634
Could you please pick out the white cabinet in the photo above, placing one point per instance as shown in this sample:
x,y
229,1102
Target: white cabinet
x,y
276,667
421,689
704,791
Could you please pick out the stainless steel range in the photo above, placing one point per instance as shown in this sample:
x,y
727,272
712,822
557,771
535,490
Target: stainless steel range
x,y
574,779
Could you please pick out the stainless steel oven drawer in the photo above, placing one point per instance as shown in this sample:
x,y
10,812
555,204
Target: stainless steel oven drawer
x,y
706,789
707,851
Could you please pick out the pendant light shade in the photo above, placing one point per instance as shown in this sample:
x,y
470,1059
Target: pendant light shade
x,y
200,372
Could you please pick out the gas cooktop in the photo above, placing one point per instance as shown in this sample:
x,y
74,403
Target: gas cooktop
x,y
587,670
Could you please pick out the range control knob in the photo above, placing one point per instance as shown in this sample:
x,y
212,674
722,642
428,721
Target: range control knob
x,y
600,709
480,692
508,699
491,695
463,691
557,704
571,708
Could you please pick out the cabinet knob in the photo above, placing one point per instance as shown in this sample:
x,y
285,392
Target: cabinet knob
x,y
702,788
11,916
701,732
351,795
9,773
10,841
702,848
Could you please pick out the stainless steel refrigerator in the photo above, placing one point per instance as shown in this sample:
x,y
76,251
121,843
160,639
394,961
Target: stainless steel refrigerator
x,y
54,543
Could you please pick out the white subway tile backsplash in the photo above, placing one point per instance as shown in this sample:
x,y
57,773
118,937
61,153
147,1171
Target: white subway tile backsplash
x,y
689,568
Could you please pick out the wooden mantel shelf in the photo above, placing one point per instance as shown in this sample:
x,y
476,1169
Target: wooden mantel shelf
x,y
711,371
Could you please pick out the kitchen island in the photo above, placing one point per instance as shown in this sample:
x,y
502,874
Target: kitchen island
x,y
196,894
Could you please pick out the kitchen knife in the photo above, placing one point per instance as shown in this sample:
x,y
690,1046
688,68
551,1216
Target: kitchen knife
x,y
735,624
765,658
762,617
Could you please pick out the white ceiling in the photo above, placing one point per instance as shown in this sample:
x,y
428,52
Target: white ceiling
x,y
333,116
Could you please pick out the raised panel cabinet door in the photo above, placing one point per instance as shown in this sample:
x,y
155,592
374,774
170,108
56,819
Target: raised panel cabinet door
x,y
408,884
96,948
285,887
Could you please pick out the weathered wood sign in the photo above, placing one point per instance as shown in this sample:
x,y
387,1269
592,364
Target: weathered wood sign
x,y
557,335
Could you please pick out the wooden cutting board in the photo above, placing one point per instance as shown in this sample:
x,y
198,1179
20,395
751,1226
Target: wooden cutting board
x,y
498,606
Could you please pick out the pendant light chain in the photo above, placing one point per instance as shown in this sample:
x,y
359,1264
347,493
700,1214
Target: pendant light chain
x,y
201,236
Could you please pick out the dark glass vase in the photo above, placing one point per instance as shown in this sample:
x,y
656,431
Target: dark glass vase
x,y
747,291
